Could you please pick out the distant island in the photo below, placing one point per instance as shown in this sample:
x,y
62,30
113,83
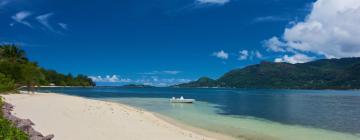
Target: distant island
x,y
137,86
341,73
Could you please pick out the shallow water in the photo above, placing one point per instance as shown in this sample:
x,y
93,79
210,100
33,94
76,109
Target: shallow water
x,y
253,114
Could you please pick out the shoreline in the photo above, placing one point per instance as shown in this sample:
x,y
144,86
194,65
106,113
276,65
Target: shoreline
x,y
54,113
197,130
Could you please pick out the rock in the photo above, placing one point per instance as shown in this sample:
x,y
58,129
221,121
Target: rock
x,y
27,121
33,132
36,138
48,137
8,106
23,124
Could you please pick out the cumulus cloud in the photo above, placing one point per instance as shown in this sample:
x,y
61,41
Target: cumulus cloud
x,y
152,80
297,58
217,2
161,82
331,30
21,16
274,44
221,54
246,54
243,55
110,79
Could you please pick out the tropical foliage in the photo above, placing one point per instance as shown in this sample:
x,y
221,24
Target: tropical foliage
x,y
6,84
201,82
17,71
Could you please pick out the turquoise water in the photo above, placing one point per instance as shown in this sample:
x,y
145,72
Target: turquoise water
x,y
251,114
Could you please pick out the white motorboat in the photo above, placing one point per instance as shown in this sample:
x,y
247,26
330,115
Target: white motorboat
x,y
181,100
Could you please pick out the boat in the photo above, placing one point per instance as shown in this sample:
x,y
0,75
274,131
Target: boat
x,y
181,100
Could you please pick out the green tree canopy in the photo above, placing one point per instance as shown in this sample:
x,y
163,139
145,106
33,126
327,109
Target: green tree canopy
x,y
12,53
31,75
16,71
6,84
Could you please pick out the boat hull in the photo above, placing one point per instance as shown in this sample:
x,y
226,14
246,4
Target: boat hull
x,y
182,101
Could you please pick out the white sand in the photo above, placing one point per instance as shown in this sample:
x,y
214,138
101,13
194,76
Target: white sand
x,y
76,118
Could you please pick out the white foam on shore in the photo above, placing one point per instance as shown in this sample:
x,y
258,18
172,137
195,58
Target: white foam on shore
x,y
204,115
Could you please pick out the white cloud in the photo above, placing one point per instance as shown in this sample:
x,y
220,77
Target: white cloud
x,y
221,54
258,54
44,20
217,2
110,79
246,54
270,18
171,72
275,45
331,29
297,58
243,55
145,80
156,72
161,82
63,25
21,16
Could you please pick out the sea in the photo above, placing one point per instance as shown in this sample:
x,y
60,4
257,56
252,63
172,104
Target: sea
x,y
254,114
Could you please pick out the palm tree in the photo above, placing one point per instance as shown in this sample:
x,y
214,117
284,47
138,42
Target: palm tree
x,y
12,53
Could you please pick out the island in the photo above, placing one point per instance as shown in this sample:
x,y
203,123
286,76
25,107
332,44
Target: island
x,y
137,86
341,73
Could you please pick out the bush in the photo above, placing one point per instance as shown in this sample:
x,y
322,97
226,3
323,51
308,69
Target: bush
x,y
6,84
8,131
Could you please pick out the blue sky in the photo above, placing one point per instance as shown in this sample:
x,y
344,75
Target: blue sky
x,y
162,42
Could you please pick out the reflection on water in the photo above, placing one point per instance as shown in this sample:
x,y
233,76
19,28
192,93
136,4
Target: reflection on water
x,y
273,113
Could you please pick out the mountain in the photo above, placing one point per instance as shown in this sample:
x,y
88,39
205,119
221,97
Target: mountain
x,y
201,82
341,73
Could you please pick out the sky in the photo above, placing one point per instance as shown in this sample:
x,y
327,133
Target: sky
x,y
166,42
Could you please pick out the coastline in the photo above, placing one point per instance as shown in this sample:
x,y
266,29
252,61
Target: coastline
x,y
200,131
64,115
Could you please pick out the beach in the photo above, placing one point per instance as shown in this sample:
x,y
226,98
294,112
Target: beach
x,y
71,117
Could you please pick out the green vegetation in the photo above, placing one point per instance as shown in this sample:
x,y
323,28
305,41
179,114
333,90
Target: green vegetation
x,y
6,84
137,86
8,131
58,79
321,74
17,71
201,82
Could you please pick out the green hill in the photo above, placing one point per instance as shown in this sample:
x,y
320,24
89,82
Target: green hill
x,y
321,74
201,82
